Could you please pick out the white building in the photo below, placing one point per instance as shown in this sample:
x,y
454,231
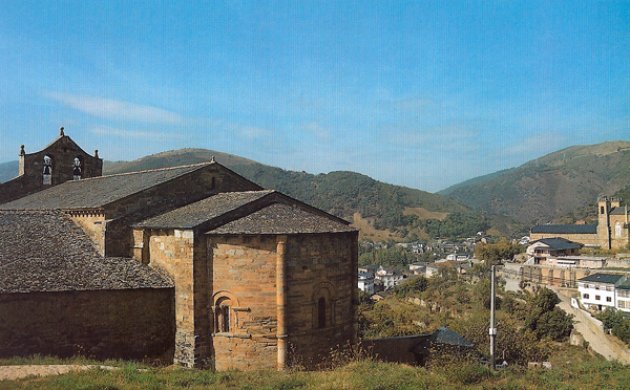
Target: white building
x,y
622,294
598,291
366,282
390,278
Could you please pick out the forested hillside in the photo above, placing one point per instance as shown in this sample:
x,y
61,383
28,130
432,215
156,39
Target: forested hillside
x,y
552,187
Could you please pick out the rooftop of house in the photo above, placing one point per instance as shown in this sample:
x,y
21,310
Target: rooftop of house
x,y
198,213
601,278
444,335
45,251
280,218
557,243
619,211
564,229
96,192
623,284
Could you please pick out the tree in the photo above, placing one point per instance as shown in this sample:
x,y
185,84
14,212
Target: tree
x,y
545,319
414,284
545,299
495,253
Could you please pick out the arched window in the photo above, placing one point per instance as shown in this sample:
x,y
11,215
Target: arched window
x,y
47,172
77,171
601,210
321,313
323,305
222,315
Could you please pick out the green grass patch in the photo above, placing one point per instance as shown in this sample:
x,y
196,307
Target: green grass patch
x,y
364,375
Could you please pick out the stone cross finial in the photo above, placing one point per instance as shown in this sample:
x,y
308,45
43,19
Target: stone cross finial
x,y
61,133
22,152
212,159
96,153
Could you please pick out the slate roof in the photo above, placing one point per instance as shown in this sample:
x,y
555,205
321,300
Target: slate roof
x,y
618,211
96,192
45,251
623,284
444,335
565,229
197,213
280,218
558,243
601,278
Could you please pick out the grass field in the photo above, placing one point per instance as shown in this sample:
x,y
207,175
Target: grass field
x,y
365,374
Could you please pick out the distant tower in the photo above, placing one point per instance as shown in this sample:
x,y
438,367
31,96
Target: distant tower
x,y
603,221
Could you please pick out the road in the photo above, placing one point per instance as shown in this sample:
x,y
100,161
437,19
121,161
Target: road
x,y
600,342
605,345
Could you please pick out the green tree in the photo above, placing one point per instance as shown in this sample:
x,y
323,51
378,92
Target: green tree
x,y
545,319
497,252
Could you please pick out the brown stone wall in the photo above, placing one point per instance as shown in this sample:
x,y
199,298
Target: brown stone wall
x,y
586,239
554,276
125,324
320,265
94,226
243,270
172,251
623,241
405,349
164,197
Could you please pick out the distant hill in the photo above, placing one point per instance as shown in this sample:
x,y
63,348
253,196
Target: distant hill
x,y
8,171
550,188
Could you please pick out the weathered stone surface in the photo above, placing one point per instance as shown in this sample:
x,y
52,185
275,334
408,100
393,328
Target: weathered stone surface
x,y
129,324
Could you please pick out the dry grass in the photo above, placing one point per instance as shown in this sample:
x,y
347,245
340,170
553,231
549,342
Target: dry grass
x,y
423,213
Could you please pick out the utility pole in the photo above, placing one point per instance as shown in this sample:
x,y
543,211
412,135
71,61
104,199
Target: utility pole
x,y
492,330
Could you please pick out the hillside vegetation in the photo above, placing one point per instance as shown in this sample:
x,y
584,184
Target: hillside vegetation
x,y
550,187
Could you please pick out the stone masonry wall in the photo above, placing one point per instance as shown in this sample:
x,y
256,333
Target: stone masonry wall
x,y
94,226
125,324
172,251
553,276
243,270
320,265
623,241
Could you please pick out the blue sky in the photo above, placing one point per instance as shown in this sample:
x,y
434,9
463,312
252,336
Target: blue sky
x,y
422,94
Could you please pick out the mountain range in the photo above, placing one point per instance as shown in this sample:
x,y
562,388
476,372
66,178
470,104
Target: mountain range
x,y
561,186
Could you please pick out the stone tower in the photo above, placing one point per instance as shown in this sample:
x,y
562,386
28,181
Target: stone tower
x,y
60,161
603,221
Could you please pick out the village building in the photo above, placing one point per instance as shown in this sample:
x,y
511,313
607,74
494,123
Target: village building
x,y
612,230
605,291
540,251
192,264
366,282
389,277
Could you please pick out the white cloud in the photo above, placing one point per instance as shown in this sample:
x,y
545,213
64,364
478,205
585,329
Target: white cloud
x,y
250,132
538,144
445,138
148,135
318,131
116,109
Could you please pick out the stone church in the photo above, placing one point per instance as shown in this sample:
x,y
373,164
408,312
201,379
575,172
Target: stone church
x,y
193,264
612,230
